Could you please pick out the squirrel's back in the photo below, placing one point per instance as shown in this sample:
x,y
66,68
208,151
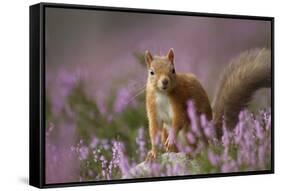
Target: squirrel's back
x,y
192,90
247,73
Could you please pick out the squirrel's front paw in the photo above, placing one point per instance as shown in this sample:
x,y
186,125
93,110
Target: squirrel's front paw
x,y
170,143
170,146
151,155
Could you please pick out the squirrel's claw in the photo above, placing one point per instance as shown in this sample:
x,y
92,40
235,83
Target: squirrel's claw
x,y
151,155
170,146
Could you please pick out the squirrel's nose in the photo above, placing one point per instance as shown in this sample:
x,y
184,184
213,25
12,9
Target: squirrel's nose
x,y
165,82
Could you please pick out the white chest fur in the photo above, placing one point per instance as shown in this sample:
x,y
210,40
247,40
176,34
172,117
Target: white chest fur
x,y
164,109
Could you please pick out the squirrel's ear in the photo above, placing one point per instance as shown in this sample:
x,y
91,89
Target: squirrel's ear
x,y
148,58
171,55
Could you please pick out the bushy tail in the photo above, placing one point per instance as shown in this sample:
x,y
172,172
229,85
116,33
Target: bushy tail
x,y
247,73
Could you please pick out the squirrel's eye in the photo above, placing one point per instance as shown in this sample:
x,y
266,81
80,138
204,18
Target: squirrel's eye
x,y
151,73
173,71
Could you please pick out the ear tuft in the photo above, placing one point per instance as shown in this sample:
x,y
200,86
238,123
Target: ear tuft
x,y
171,55
148,58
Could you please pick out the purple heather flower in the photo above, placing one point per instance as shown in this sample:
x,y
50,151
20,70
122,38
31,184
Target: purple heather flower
x,y
140,140
208,127
238,132
84,152
242,115
191,110
105,144
204,121
94,143
213,158
59,156
123,98
169,170
103,166
155,169
100,100
225,137
191,138
121,159
67,81
230,166
57,104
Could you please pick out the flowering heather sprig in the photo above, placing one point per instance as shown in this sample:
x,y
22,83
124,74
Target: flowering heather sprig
x,y
101,102
94,143
103,166
246,147
123,159
226,137
251,142
191,111
83,153
81,149
214,158
66,81
123,99
115,159
208,128
58,155
140,140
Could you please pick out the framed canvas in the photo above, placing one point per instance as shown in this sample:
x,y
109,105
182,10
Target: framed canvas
x,y
123,95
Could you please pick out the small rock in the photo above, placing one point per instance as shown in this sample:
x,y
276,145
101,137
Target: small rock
x,y
167,164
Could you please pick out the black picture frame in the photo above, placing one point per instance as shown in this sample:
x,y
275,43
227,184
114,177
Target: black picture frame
x,y
37,93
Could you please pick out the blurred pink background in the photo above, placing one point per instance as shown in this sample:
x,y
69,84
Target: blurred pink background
x,y
100,45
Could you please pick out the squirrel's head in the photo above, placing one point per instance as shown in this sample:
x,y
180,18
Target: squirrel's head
x,y
161,71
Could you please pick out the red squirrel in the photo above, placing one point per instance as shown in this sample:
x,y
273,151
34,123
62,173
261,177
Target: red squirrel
x,y
168,91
